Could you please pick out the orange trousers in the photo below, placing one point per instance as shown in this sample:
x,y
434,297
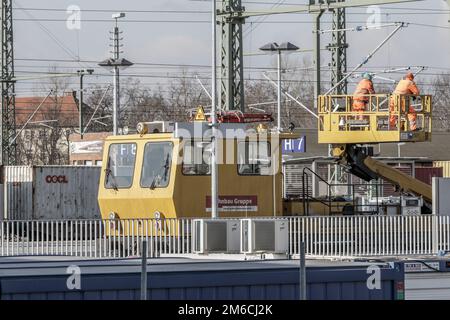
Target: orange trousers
x,y
359,106
412,116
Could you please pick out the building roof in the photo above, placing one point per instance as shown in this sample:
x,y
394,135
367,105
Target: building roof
x,y
62,108
436,150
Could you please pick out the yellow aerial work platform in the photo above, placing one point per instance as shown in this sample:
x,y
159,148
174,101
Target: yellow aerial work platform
x,y
339,124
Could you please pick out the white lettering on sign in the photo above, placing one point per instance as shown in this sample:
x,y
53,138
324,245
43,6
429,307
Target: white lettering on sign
x,y
294,145
288,144
234,203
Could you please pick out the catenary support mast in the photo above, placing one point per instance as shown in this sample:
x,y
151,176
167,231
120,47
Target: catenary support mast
x,y
8,102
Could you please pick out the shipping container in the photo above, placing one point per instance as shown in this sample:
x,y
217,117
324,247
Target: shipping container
x,y
426,174
445,165
186,279
427,280
51,192
18,192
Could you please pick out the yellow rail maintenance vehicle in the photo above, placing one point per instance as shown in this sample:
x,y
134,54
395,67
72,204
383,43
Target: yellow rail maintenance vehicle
x,y
163,171
387,119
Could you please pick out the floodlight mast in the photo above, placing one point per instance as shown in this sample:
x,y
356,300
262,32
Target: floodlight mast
x,y
116,63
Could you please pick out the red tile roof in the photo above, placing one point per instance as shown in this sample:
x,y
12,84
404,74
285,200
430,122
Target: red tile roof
x,y
63,108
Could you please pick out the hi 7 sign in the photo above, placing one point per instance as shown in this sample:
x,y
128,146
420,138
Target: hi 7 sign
x,y
293,145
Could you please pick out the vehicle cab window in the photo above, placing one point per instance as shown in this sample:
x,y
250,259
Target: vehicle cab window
x,y
156,165
254,158
120,169
196,155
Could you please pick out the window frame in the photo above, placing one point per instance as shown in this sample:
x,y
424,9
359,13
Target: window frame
x,y
170,167
192,144
134,166
269,149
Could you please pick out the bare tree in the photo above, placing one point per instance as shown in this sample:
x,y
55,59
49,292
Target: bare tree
x,y
440,90
184,94
100,98
143,105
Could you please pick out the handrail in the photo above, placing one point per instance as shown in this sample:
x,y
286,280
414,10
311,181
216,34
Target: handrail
x,y
306,199
325,103
329,203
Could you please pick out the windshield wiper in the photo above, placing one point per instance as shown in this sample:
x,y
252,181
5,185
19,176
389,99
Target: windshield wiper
x,y
153,184
157,178
109,173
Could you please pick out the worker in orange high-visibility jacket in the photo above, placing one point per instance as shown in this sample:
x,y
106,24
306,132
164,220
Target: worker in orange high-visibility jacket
x,y
405,86
362,92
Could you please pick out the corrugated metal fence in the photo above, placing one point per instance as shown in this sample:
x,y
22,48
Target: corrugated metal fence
x,y
323,236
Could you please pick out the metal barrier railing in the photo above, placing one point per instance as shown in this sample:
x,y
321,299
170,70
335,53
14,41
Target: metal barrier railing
x,y
323,236
370,235
95,238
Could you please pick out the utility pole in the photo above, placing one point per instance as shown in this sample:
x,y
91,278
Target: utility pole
x,y
214,167
279,91
232,59
8,102
317,60
116,44
82,73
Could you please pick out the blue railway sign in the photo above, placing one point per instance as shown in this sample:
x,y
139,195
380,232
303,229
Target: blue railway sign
x,y
294,145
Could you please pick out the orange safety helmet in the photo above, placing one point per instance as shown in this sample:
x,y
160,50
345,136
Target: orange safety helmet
x,y
409,76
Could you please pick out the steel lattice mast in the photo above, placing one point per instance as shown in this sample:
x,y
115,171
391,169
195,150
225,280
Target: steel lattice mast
x,y
8,123
338,48
232,60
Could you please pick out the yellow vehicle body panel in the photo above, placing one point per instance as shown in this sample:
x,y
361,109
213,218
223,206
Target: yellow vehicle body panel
x,y
185,196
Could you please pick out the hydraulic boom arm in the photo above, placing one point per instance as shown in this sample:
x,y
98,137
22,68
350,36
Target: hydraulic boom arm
x,y
359,163
404,181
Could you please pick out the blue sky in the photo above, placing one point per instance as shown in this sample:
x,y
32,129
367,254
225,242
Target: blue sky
x,y
184,38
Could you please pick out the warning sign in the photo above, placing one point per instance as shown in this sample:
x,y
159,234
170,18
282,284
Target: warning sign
x,y
234,203
200,115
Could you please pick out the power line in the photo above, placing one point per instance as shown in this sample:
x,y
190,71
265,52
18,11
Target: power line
x,y
208,12
182,21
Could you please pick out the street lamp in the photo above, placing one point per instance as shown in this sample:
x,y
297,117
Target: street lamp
x,y
116,63
274,47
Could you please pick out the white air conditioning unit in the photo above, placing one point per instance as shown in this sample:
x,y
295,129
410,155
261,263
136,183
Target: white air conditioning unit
x,y
411,205
264,235
216,236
